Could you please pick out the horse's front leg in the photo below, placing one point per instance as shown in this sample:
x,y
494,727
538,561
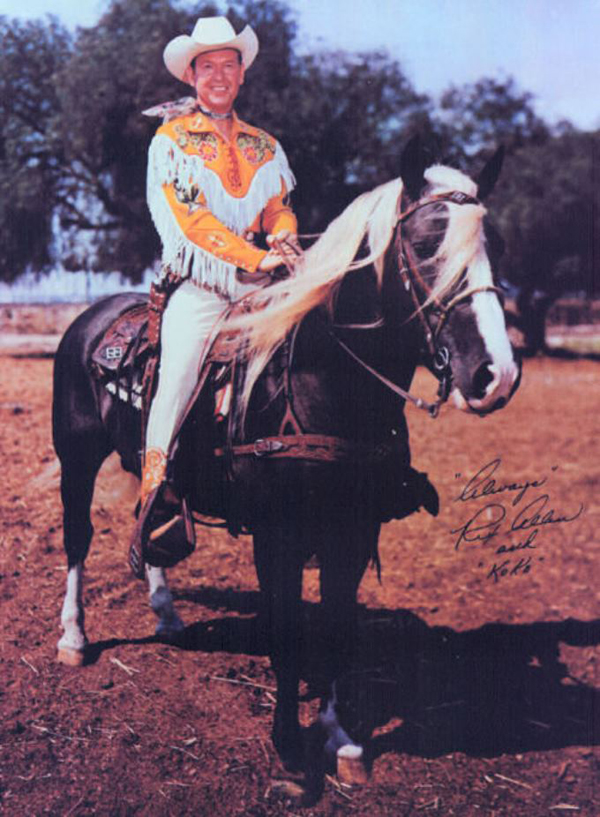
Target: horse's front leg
x,y
279,562
72,643
344,556
169,626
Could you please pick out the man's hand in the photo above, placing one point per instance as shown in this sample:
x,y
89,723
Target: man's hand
x,y
284,252
271,261
288,241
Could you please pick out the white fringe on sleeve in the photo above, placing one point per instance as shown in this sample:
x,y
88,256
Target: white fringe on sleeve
x,y
167,162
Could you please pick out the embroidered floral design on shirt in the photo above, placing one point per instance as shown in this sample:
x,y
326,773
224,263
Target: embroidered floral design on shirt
x,y
189,195
216,240
181,137
233,170
254,148
206,144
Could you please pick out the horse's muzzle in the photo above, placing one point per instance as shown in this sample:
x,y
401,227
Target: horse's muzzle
x,y
492,386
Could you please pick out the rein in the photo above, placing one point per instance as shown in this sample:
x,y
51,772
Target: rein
x,y
431,408
411,277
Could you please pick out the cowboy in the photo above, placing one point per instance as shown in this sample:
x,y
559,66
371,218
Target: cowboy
x,y
213,183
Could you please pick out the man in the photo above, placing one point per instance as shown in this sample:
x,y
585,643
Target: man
x,y
213,180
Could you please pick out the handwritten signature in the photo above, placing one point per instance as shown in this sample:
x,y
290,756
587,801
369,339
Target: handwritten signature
x,y
500,521
484,484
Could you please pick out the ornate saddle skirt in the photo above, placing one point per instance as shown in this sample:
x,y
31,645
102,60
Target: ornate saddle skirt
x,y
121,355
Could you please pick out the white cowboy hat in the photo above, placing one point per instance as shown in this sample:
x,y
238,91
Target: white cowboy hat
x,y
209,34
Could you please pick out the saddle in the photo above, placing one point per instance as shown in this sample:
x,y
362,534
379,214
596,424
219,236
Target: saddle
x,y
125,361
128,347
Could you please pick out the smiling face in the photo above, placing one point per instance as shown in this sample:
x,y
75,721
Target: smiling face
x,y
217,76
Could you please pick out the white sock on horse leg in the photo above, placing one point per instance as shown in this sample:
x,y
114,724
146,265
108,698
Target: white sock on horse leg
x,y
161,601
72,615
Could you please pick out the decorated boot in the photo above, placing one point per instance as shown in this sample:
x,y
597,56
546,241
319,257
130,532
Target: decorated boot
x,y
164,534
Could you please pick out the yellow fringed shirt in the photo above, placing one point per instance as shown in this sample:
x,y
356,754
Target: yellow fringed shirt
x,y
205,192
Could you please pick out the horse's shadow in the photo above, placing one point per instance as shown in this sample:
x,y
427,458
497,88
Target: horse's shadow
x,y
498,689
502,688
424,690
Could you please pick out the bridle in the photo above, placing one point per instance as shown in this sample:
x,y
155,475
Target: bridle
x,y
413,280
425,302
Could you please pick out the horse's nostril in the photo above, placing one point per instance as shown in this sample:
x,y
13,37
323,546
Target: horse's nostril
x,y
481,380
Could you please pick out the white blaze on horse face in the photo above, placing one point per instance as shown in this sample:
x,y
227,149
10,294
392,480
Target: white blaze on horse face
x,y
503,368
492,329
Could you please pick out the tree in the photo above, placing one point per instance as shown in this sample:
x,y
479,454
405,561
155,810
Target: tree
x,y
546,203
477,117
347,117
548,209
114,73
31,165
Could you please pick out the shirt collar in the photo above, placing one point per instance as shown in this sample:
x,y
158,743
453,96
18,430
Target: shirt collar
x,y
198,122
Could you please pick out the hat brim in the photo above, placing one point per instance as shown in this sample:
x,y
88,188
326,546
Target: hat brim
x,y
180,52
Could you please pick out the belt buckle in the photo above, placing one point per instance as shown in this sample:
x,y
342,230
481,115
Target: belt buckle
x,y
263,447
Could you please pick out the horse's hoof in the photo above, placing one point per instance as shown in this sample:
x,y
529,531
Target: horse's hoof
x,y
351,767
70,657
288,789
171,638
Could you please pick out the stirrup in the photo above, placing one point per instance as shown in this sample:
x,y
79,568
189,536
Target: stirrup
x,y
161,542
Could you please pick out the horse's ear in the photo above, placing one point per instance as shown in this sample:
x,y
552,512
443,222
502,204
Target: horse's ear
x,y
489,175
415,160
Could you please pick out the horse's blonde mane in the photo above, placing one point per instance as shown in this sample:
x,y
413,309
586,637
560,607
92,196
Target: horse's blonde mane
x,y
372,216
464,238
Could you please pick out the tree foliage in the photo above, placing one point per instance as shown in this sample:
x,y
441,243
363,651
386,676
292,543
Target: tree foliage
x,y
348,117
31,162
548,209
476,117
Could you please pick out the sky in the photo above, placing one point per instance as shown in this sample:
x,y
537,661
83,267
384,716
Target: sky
x,y
551,47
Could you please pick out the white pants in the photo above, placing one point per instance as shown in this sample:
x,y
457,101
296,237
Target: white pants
x,y
188,324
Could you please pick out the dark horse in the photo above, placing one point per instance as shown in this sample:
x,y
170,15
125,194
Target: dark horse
x,y
403,276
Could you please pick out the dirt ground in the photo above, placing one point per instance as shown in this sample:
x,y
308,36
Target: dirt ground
x,y
479,669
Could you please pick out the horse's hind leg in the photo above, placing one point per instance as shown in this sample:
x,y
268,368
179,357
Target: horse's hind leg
x,y
169,626
80,465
